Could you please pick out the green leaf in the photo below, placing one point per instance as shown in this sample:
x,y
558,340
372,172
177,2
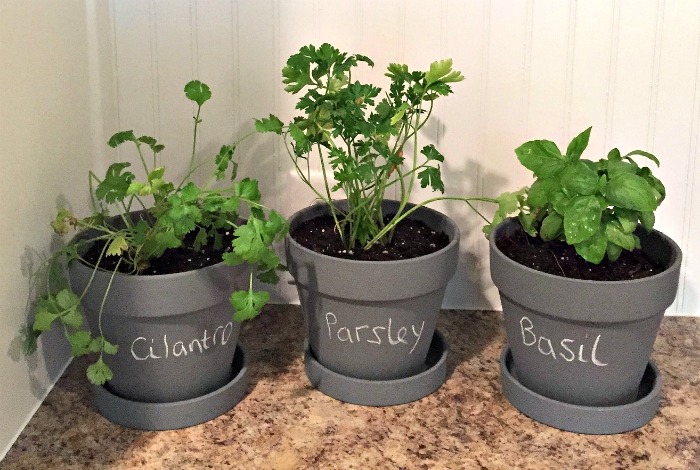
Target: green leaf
x,y
151,142
551,227
442,71
399,114
268,277
616,235
247,189
614,251
630,191
578,145
45,314
627,219
80,343
538,194
647,219
115,185
198,92
643,154
431,153
249,243
223,160
61,223
99,373
271,124
138,188
508,203
431,176
121,137
593,249
117,246
101,345
248,304
582,219
578,179
542,157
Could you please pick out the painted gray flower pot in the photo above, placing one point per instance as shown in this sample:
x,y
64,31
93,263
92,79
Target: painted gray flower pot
x,y
175,332
583,342
372,319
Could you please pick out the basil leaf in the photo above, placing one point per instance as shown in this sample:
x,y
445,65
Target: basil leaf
x,y
542,157
578,179
631,192
582,219
578,145
593,249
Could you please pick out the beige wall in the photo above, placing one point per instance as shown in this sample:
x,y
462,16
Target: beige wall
x,y
46,148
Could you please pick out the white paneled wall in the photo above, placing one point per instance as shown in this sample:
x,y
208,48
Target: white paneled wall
x,y
534,69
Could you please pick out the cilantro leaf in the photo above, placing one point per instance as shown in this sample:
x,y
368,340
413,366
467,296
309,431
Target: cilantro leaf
x,y
99,373
116,184
248,304
198,92
271,124
121,137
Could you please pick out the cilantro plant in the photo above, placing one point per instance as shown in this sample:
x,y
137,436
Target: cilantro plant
x,y
594,206
172,211
359,137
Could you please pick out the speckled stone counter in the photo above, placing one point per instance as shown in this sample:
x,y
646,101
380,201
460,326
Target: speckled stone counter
x,y
284,423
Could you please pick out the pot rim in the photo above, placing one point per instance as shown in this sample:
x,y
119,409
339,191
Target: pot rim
x,y
676,259
454,239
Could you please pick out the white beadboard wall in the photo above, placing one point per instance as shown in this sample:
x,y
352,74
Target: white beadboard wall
x,y
534,69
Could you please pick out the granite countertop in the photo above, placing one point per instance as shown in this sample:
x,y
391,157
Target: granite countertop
x,y
285,423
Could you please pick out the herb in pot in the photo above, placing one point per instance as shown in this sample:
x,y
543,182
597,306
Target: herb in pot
x,y
156,217
365,142
594,206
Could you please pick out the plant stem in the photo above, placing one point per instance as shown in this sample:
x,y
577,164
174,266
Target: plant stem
x,y
405,214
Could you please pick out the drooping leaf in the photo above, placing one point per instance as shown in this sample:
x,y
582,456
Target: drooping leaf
x,y
47,311
61,223
117,246
99,373
643,154
248,304
80,343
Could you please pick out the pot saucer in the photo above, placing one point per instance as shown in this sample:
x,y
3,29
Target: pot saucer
x,y
583,419
178,414
381,392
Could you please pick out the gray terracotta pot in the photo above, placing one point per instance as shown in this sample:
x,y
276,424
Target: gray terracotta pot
x,y
372,319
583,342
175,332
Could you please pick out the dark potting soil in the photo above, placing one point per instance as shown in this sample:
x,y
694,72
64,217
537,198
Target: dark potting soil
x,y
174,260
412,238
558,258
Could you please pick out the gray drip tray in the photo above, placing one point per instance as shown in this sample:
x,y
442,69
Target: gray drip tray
x,y
583,419
381,392
180,414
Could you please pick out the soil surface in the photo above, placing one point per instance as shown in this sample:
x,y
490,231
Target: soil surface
x,y
412,238
558,258
174,260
